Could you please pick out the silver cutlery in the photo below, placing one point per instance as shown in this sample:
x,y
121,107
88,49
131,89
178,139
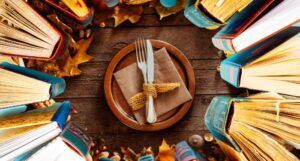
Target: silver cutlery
x,y
150,111
145,62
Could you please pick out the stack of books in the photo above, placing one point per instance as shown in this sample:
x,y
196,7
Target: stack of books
x,y
29,134
265,47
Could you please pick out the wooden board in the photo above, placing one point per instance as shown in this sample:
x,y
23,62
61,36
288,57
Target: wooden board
x,y
87,95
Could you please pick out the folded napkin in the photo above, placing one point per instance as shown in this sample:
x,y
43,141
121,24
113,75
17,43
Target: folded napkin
x,y
130,81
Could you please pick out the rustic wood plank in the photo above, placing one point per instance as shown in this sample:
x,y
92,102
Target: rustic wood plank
x,y
91,85
95,115
195,43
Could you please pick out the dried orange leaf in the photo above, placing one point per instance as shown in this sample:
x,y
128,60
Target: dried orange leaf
x,y
132,13
120,14
166,152
165,12
66,65
135,2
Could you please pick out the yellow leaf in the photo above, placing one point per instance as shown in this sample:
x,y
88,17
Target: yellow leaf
x,y
132,13
166,152
165,12
66,65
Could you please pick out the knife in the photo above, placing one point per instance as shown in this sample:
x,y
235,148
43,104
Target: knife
x,y
150,111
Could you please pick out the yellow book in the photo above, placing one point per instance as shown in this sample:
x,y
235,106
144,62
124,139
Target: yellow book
x,y
224,9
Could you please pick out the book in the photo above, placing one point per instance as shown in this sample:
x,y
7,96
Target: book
x,y
21,86
75,9
74,136
22,132
251,26
12,110
223,10
56,150
183,152
71,144
21,37
199,18
272,65
245,127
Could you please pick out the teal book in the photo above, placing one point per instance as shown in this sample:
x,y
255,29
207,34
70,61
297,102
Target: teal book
x,y
268,66
76,137
183,152
22,86
250,128
12,110
198,17
259,21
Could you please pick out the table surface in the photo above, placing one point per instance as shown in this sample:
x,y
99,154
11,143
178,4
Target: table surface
x,y
87,95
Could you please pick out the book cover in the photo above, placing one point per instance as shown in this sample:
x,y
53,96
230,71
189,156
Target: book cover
x,y
12,110
238,23
80,13
58,85
76,138
231,68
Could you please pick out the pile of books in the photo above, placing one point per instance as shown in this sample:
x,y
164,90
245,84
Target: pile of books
x,y
27,132
264,42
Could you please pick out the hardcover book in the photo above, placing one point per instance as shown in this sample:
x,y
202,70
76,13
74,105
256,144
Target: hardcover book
x,y
259,21
20,37
272,65
75,9
20,86
248,128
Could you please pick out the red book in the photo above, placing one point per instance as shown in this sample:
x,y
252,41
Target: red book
x,y
25,33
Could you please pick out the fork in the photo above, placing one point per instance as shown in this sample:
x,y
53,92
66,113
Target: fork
x,y
140,47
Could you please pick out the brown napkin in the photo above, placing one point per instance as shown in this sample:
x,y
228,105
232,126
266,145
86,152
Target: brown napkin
x,y
130,81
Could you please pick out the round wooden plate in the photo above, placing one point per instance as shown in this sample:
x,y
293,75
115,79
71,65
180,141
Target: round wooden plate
x,y
117,102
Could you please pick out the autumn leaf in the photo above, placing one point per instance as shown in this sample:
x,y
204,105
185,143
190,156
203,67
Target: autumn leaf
x,y
66,65
165,12
166,152
135,2
120,14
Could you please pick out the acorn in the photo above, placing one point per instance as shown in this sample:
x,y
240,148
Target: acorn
x,y
104,154
196,141
115,158
208,137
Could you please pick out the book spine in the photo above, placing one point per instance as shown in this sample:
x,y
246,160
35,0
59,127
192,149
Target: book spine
x,y
4,112
58,85
61,115
216,119
230,72
76,137
223,44
197,17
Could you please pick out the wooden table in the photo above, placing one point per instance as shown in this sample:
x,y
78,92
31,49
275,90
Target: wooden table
x,y
87,95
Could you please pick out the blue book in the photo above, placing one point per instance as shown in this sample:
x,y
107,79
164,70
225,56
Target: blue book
x,y
244,127
31,84
238,70
146,158
183,152
12,110
76,137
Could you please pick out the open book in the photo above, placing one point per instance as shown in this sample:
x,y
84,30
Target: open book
x,y
22,132
23,32
248,28
251,126
19,86
266,68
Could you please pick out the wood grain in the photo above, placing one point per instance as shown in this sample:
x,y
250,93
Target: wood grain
x,y
87,95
